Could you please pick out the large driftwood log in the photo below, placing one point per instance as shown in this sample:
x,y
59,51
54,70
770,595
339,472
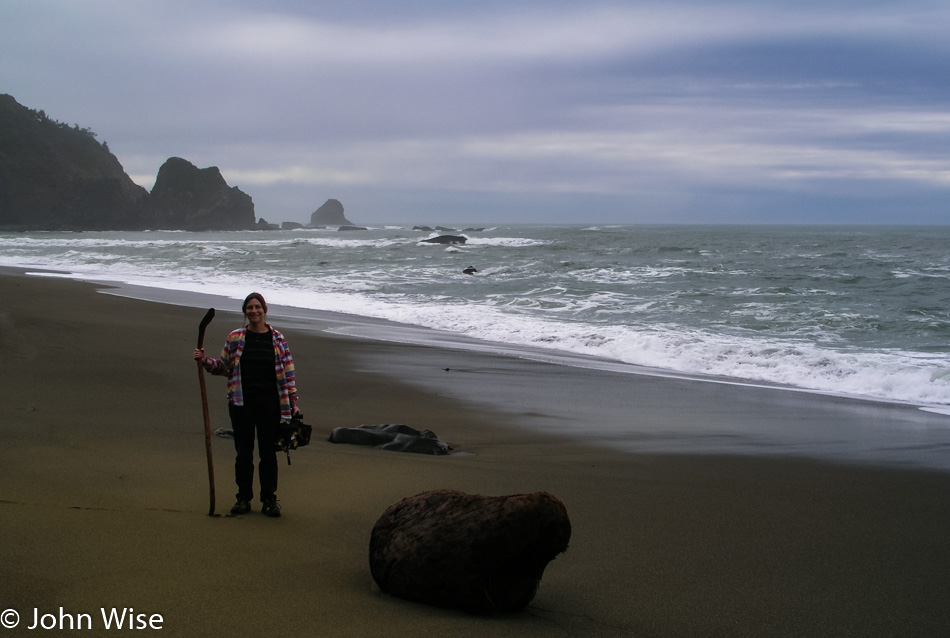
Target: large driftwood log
x,y
481,554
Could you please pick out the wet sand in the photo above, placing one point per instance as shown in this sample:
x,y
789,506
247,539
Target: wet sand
x,y
104,496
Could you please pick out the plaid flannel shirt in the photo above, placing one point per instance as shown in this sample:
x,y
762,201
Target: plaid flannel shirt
x,y
230,364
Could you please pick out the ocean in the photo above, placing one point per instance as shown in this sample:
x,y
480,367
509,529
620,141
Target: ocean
x,y
854,311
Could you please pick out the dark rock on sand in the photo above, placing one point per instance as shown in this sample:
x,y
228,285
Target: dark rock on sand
x,y
395,437
480,554
445,239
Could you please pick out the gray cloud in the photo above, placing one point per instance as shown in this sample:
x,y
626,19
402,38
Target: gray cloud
x,y
411,111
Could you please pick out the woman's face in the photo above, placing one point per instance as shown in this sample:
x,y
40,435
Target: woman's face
x,y
254,311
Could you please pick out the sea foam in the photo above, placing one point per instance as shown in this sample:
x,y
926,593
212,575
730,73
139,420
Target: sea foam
x,y
791,307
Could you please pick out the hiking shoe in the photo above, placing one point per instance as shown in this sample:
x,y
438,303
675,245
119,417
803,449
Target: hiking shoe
x,y
271,507
241,506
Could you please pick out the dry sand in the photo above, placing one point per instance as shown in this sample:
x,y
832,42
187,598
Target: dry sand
x,y
104,499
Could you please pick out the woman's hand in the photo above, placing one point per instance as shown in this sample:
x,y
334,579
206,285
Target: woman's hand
x,y
200,355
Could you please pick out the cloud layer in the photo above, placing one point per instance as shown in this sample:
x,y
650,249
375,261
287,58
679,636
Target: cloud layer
x,y
608,112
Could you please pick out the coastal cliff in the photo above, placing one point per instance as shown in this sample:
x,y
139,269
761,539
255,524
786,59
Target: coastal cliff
x,y
54,176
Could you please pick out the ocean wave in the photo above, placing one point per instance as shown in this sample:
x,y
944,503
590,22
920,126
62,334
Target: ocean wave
x,y
730,309
331,242
508,242
896,376
893,376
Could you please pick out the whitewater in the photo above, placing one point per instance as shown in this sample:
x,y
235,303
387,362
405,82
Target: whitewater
x,y
855,311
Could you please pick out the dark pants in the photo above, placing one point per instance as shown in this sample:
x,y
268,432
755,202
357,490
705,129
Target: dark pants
x,y
261,417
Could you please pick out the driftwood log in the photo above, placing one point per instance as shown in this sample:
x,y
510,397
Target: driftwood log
x,y
480,554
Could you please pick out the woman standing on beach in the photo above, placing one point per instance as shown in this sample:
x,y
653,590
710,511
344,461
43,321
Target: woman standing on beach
x,y
261,394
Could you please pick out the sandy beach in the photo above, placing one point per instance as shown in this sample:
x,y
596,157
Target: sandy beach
x,y
104,491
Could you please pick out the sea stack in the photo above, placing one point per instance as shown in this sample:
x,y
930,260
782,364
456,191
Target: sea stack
x,y
191,198
330,214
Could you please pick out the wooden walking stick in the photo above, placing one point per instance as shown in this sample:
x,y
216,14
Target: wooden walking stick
x,y
204,405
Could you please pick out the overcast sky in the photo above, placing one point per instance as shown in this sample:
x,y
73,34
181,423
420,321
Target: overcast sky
x,y
412,111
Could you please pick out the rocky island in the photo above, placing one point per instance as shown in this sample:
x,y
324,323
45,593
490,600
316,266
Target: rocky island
x,y
190,198
330,214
